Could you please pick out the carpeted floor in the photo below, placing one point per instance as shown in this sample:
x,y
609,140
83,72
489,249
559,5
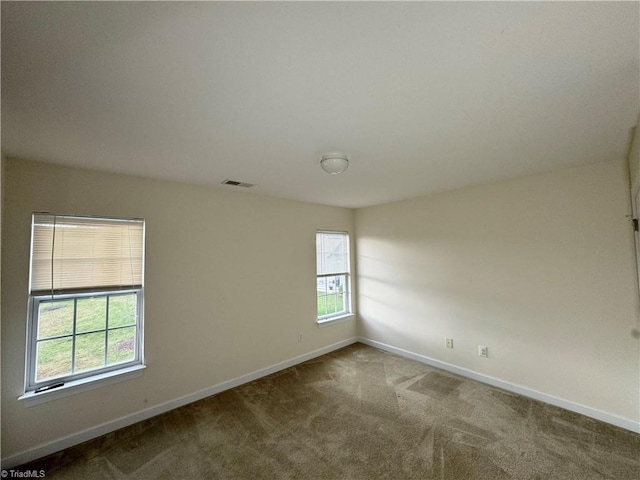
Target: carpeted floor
x,y
358,413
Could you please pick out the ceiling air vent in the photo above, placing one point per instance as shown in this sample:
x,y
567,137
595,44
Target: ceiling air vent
x,y
237,184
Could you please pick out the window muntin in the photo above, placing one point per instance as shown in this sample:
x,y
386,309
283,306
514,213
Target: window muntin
x,y
332,274
86,297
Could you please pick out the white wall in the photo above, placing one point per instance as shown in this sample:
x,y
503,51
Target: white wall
x,y
540,269
231,304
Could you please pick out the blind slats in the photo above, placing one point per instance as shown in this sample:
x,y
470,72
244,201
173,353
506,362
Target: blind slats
x,y
85,253
332,253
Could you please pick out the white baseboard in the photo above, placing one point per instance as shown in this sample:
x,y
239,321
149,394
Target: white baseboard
x,y
616,420
94,432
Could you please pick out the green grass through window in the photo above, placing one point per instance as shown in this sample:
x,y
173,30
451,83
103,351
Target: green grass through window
x,y
331,303
54,355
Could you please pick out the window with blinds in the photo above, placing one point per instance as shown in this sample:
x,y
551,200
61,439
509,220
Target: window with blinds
x,y
85,253
332,275
85,298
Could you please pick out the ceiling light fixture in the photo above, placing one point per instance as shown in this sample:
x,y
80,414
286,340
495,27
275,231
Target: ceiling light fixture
x,y
334,163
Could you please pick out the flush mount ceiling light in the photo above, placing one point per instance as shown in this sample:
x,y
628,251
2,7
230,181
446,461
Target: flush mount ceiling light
x,y
334,163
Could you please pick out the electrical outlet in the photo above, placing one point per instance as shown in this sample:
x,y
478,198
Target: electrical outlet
x,y
300,337
483,351
448,342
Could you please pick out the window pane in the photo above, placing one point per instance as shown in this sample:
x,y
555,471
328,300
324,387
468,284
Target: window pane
x,y
122,310
331,295
321,285
322,304
89,351
53,358
121,345
91,314
340,299
332,304
55,318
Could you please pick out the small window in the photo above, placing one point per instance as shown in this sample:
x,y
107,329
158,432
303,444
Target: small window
x,y
333,281
85,297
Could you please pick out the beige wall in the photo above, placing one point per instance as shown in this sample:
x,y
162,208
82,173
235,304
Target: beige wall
x,y
230,281
634,158
634,181
540,269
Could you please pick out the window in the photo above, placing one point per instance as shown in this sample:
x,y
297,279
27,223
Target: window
x,y
332,268
85,298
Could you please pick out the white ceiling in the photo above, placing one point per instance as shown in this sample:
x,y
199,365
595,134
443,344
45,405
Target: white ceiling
x,y
423,97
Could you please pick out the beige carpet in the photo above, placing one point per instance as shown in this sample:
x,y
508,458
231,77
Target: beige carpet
x,y
358,413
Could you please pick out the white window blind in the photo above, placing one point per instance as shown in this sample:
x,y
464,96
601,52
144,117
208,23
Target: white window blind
x,y
332,253
84,253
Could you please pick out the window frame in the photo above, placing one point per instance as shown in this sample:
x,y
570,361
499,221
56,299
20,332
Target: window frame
x,y
32,351
98,374
348,311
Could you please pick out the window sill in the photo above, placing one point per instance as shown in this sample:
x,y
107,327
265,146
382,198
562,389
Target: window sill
x,y
82,385
325,322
